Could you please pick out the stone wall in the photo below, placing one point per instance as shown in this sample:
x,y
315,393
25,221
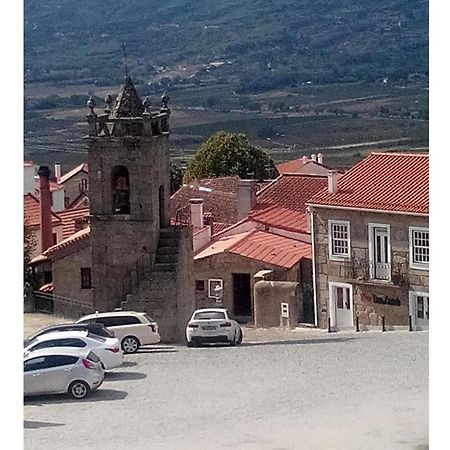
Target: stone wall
x,y
72,185
69,299
222,266
269,295
120,241
364,290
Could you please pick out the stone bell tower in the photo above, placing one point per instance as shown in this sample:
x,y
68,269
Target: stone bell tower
x,y
129,189
139,261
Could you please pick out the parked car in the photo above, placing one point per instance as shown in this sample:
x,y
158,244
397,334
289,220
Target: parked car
x,y
73,371
107,349
94,328
133,329
211,325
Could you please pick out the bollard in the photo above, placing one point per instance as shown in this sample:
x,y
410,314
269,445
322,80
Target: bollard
x,y
357,323
410,323
383,323
329,324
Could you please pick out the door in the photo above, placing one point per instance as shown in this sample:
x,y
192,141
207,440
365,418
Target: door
x,y
420,309
381,253
242,299
341,305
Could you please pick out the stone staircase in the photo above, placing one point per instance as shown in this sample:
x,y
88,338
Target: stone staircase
x,y
157,292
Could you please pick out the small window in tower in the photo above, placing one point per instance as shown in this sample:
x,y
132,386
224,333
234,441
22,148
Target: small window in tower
x,y
120,190
83,185
86,281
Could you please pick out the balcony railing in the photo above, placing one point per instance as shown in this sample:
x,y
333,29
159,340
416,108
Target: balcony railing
x,y
365,270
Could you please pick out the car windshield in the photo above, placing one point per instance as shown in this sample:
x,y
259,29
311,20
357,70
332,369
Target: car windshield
x,y
96,337
208,315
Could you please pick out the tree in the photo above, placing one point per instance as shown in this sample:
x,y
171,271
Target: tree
x,y
225,154
176,177
29,244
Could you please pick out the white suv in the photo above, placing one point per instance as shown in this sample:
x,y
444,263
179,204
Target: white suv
x,y
133,329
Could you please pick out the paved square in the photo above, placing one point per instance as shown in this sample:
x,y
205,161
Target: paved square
x,y
297,390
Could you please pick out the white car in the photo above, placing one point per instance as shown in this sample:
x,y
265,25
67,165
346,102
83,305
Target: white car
x,y
133,329
75,371
107,349
212,325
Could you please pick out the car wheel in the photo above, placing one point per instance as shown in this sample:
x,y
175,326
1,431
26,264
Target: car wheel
x,y
78,389
240,337
130,344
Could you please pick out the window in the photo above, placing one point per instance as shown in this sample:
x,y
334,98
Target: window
x,y
33,364
199,285
209,315
120,190
86,281
83,185
339,239
55,238
60,343
419,247
215,288
117,321
66,202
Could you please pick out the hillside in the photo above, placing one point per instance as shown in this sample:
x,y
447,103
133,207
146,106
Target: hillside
x,y
257,44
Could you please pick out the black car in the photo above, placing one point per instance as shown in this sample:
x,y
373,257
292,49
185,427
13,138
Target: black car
x,y
93,327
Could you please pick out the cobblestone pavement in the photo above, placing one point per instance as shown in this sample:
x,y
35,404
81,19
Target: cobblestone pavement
x,y
304,389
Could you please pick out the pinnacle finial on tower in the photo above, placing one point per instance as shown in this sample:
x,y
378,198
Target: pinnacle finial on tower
x,y
91,105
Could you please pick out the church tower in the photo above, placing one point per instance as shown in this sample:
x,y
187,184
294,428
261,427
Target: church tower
x,y
129,183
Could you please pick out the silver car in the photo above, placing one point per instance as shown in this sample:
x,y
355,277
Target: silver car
x,y
62,370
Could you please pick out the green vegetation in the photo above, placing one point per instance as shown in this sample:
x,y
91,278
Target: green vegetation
x,y
260,44
230,154
29,244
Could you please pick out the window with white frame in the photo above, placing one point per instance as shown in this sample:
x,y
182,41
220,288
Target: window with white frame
x,y
419,247
339,239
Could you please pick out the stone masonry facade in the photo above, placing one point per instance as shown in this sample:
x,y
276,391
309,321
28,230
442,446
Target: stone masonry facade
x,y
355,270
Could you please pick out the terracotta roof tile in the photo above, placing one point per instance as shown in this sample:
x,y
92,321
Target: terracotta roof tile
x,y
31,211
81,168
219,196
291,191
261,246
64,244
397,182
278,217
273,249
69,217
301,166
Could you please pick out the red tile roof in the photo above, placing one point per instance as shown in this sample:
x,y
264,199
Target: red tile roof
x,y
64,244
54,186
219,196
80,201
291,191
261,246
32,214
299,165
69,218
278,217
81,168
396,182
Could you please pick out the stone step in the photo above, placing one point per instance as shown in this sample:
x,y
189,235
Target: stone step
x,y
170,258
168,242
164,267
170,232
167,250
163,276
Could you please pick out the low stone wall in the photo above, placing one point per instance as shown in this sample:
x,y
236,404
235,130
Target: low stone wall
x,y
269,295
71,309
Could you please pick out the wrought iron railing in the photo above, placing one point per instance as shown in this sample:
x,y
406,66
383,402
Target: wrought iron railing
x,y
363,269
183,215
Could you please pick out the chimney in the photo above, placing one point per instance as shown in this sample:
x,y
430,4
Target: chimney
x,y
45,208
332,181
319,158
196,212
246,197
314,157
308,219
305,159
57,171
